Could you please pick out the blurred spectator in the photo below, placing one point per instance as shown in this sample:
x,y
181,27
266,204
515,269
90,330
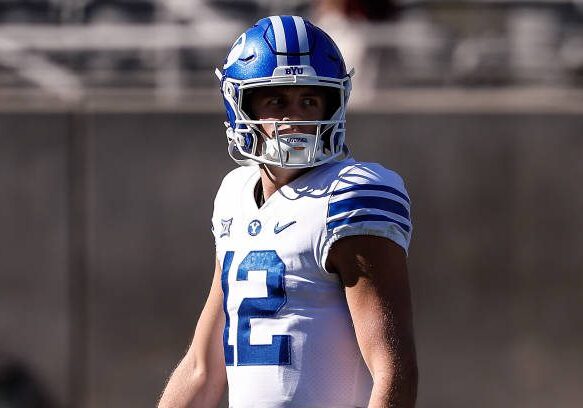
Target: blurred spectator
x,y
365,10
345,21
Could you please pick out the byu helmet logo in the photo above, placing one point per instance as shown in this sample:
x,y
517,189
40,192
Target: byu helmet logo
x,y
236,51
294,71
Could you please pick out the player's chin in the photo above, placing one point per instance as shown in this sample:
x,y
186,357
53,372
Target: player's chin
x,y
284,171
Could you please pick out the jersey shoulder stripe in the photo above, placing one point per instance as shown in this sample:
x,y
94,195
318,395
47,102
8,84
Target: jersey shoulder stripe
x,y
371,187
368,217
371,202
369,199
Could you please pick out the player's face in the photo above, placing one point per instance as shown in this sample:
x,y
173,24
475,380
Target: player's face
x,y
288,103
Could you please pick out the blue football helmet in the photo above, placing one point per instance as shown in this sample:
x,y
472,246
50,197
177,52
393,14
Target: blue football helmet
x,y
284,51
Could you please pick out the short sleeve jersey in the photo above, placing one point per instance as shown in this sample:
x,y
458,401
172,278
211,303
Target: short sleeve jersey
x,y
288,338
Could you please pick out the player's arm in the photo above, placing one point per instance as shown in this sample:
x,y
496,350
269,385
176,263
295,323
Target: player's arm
x,y
199,379
374,273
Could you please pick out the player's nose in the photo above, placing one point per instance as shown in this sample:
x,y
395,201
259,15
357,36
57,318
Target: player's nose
x,y
295,109
290,128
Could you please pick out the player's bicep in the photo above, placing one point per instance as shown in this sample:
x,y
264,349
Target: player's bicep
x,y
373,271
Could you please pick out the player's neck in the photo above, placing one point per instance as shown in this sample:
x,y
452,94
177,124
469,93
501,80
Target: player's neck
x,y
273,178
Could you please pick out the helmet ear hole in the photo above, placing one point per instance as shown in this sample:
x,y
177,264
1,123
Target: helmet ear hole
x,y
229,89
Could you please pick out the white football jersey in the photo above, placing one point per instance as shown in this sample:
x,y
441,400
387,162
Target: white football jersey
x,y
289,339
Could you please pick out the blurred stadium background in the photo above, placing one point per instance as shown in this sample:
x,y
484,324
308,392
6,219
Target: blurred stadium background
x,y
112,147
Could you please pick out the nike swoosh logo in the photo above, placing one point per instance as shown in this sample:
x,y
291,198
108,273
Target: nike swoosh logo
x,y
277,229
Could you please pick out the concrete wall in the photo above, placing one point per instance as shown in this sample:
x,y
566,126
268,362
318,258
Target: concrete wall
x,y
106,253
34,250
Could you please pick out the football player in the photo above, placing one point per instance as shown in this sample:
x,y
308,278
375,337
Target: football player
x,y
310,302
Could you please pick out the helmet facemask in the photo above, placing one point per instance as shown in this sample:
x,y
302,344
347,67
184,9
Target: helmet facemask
x,y
250,144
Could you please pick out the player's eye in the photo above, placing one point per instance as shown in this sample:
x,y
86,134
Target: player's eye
x,y
274,101
310,102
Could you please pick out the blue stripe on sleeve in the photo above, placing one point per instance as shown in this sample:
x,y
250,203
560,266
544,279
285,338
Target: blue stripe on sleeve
x,y
359,203
291,39
367,217
371,187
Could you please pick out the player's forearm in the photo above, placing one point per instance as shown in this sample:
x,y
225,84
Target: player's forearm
x,y
395,388
189,387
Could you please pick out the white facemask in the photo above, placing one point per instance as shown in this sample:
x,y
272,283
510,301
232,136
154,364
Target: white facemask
x,y
295,148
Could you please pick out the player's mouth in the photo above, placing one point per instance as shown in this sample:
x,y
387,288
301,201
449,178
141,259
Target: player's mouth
x,y
308,129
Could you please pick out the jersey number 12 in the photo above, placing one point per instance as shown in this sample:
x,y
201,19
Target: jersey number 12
x,y
276,353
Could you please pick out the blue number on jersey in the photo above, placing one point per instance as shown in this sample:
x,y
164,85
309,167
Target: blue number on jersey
x,y
278,352
229,355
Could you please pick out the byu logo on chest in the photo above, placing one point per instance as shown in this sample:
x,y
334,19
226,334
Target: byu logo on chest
x,y
254,227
